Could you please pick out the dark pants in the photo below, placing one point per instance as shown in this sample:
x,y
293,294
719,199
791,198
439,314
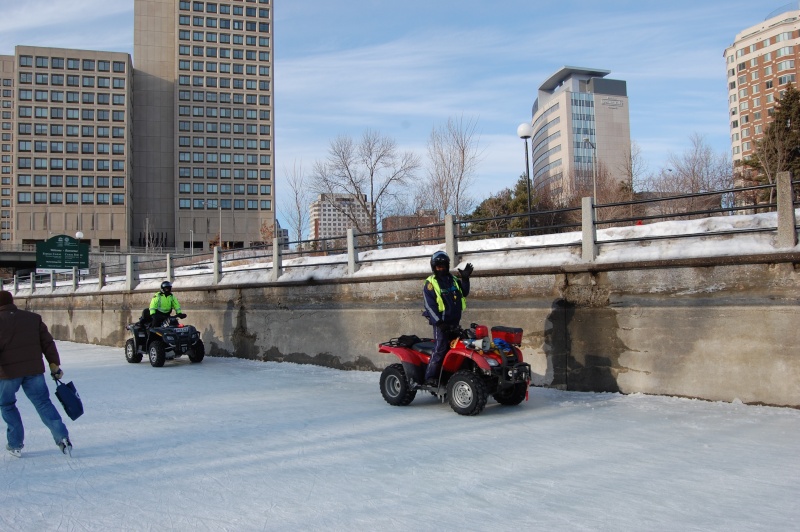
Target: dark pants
x,y
159,318
442,339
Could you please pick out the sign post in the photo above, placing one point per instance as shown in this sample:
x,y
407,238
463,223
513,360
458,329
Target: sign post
x,y
61,254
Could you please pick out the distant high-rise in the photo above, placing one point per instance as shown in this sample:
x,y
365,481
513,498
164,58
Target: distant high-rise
x,y
203,134
333,214
578,115
66,146
761,63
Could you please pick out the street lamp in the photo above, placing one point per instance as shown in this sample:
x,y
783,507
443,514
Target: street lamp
x,y
525,131
594,166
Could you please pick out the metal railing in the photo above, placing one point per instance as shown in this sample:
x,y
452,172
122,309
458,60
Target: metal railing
x,y
354,250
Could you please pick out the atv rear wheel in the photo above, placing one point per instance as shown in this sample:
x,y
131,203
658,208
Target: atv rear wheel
x,y
394,386
467,393
131,355
197,352
512,395
156,353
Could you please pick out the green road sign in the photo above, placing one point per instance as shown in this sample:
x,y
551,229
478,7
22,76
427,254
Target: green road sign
x,y
60,254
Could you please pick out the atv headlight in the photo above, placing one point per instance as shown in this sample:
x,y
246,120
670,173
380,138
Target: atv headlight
x,y
169,338
492,362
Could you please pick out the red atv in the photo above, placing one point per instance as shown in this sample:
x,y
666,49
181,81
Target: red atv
x,y
475,367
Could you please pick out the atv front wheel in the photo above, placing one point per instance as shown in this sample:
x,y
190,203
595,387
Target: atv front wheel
x,y
197,352
131,355
512,395
156,353
467,393
394,386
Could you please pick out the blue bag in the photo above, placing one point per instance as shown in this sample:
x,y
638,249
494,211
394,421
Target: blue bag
x,y
70,399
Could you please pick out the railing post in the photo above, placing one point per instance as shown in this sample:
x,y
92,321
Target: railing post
x,y
52,280
170,268
352,253
588,230
450,243
217,265
16,283
787,233
101,275
130,275
33,282
277,260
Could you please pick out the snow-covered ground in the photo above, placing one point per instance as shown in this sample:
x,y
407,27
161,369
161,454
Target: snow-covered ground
x,y
238,445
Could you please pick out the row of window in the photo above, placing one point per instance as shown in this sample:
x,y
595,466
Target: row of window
x,y
42,146
223,158
223,83
202,188
224,68
213,51
238,204
88,98
25,111
224,127
57,198
781,37
223,38
87,165
224,173
102,82
70,181
215,142
58,130
225,24
72,64
224,9
223,97
222,112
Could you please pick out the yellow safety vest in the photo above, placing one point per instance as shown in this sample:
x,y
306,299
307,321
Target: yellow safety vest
x,y
438,290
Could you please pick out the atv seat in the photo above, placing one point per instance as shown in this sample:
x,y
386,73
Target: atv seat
x,y
425,347
146,318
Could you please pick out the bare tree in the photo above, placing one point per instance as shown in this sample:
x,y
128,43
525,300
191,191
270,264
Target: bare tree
x,y
298,198
372,172
453,157
697,170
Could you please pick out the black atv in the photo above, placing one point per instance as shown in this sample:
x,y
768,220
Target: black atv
x,y
167,341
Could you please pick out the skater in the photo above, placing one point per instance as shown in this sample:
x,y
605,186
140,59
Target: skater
x,y
23,339
163,303
445,297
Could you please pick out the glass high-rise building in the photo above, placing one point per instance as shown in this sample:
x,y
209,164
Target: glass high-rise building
x,y
203,139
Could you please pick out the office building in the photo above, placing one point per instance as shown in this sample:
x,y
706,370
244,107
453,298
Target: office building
x,y
423,228
761,63
580,118
203,134
67,127
333,214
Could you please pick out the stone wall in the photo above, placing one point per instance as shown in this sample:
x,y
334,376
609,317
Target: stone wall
x,y
716,329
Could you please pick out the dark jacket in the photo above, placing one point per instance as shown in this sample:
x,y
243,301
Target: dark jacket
x,y
453,293
23,339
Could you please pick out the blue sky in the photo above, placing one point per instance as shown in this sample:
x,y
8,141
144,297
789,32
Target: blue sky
x,y
402,68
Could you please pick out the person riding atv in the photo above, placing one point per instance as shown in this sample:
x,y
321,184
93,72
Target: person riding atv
x,y
162,304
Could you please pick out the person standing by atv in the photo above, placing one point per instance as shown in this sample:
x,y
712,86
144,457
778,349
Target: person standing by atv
x,y
445,297
24,338
163,303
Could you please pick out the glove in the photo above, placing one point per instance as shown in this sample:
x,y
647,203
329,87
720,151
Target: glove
x,y
442,326
467,271
55,371
181,315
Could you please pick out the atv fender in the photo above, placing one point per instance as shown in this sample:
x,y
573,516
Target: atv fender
x,y
454,358
414,363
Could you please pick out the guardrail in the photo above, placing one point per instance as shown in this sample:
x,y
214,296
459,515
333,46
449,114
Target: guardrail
x,y
353,250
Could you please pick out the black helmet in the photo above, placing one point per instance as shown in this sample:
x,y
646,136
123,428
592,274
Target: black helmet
x,y
440,258
166,287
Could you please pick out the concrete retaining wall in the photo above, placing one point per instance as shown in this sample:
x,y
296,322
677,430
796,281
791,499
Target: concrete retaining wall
x,y
716,329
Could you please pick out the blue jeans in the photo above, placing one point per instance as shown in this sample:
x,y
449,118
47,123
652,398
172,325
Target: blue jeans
x,y
36,389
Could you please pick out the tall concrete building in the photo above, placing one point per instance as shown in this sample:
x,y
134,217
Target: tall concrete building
x,y
66,157
203,135
333,214
580,119
761,63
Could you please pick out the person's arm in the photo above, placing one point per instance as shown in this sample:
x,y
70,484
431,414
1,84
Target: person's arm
x,y
48,345
176,305
431,305
154,304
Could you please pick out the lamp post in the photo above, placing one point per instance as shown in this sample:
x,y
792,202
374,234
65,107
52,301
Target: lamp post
x,y
191,240
594,167
219,208
524,131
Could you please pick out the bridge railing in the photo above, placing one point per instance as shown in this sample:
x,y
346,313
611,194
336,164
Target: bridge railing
x,y
574,229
